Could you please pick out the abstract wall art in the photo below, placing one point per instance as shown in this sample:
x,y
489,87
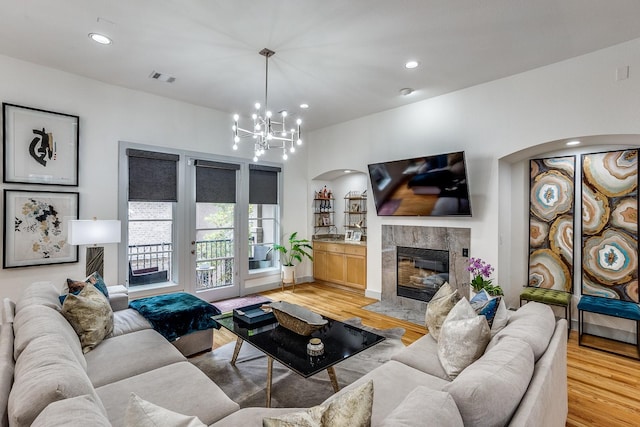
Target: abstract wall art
x,y
36,225
551,217
610,225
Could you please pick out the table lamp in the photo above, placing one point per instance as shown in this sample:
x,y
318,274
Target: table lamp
x,y
94,232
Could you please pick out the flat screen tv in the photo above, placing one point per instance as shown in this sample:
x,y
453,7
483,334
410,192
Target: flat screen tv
x,y
422,186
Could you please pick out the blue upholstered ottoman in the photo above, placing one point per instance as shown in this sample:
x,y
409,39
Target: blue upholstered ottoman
x,y
608,307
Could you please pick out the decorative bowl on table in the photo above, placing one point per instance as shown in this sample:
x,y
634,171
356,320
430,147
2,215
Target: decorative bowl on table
x,y
296,318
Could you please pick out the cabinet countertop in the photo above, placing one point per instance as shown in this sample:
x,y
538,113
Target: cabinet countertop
x,y
340,241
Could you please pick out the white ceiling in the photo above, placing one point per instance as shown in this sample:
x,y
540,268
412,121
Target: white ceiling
x,y
345,58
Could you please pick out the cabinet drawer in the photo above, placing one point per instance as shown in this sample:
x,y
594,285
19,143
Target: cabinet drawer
x,y
335,247
319,246
355,250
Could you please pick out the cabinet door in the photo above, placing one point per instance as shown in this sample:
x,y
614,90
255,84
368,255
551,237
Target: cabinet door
x,y
319,265
335,267
356,271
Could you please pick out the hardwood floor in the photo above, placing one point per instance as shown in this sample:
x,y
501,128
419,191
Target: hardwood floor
x,y
604,389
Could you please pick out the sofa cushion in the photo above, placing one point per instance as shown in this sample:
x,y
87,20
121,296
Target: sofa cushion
x,y
83,410
180,387
140,413
488,392
128,355
75,286
47,371
422,402
39,293
36,321
127,321
392,381
422,354
438,308
6,369
8,310
534,323
350,409
252,416
91,316
463,338
486,305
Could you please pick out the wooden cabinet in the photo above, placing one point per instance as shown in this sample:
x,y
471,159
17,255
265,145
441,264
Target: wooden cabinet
x,y
340,263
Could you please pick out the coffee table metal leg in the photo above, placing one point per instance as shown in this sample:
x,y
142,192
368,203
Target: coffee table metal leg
x,y
333,378
269,377
236,351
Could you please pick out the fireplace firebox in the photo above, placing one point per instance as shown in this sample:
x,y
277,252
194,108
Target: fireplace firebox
x,y
421,272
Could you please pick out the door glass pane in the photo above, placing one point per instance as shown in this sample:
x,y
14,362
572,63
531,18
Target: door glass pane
x,y
214,247
262,236
150,248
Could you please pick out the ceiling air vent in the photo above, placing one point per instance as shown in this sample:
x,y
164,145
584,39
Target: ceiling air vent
x,y
162,77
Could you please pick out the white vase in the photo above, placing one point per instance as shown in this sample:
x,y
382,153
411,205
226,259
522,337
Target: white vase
x,y
288,273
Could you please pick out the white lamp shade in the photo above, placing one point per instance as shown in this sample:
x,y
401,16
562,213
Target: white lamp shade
x,y
93,231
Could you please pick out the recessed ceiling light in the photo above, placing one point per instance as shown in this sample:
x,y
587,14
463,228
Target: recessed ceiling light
x,y
347,171
100,38
574,142
406,91
411,64
304,106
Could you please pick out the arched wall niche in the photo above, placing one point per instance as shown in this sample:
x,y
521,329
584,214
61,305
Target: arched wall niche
x,y
513,220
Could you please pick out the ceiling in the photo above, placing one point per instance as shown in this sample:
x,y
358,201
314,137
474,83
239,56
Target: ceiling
x,y
344,58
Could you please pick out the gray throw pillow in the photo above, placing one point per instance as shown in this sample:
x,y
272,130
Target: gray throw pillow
x,y
140,413
91,316
463,338
438,308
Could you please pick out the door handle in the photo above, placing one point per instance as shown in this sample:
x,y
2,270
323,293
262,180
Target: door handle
x,y
193,252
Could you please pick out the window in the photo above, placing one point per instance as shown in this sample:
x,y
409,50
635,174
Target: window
x,y
263,216
151,216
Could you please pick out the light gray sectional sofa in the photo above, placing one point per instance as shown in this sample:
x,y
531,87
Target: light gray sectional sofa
x,y
520,380
50,367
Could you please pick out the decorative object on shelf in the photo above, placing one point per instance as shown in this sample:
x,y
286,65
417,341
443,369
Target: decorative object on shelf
x,y
481,272
40,147
266,132
94,232
296,318
36,228
348,235
357,236
296,251
315,347
355,211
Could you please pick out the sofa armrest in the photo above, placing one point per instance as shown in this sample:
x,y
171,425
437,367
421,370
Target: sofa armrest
x,y
119,301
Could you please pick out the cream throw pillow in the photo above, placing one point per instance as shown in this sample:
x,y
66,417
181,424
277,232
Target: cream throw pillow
x,y
91,316
438,308
351,409
140,413
463,338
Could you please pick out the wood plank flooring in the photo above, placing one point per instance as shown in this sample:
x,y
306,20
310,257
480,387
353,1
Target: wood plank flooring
x,y
604,389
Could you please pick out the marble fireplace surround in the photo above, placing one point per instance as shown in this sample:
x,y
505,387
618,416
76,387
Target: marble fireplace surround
x,y
442,238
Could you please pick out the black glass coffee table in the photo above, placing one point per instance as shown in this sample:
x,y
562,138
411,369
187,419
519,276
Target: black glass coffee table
x,y
340,340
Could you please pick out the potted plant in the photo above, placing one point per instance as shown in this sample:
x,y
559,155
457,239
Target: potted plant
x,y
481,272
296,250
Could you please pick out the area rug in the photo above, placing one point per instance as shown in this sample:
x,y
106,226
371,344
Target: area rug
x,y
402,313
226,306
245,383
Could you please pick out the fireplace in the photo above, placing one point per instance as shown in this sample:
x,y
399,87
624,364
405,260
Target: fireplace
x,y
421,272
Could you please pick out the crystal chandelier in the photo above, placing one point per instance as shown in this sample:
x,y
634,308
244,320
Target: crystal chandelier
x,y
268,132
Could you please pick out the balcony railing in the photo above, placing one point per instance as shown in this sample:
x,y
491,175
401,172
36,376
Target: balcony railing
x,y
214,261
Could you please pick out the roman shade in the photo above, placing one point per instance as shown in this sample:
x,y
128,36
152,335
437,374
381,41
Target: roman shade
x,y
153,176
215,182
263,185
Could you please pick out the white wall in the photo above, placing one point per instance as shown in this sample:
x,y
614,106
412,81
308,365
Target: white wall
x,y
573,98
109,114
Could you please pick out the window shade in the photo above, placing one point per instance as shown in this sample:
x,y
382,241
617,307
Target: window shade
x,y
215,182
263,185
153,176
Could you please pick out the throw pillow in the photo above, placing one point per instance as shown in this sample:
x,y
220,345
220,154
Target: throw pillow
x,y
75,286
439,405
501,318
350,409
91,316
140,413
486,305
438,308
463,338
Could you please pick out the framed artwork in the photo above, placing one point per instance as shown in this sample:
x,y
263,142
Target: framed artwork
x,y
610,225
36,226
357,236
551,223
40,147
348,235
